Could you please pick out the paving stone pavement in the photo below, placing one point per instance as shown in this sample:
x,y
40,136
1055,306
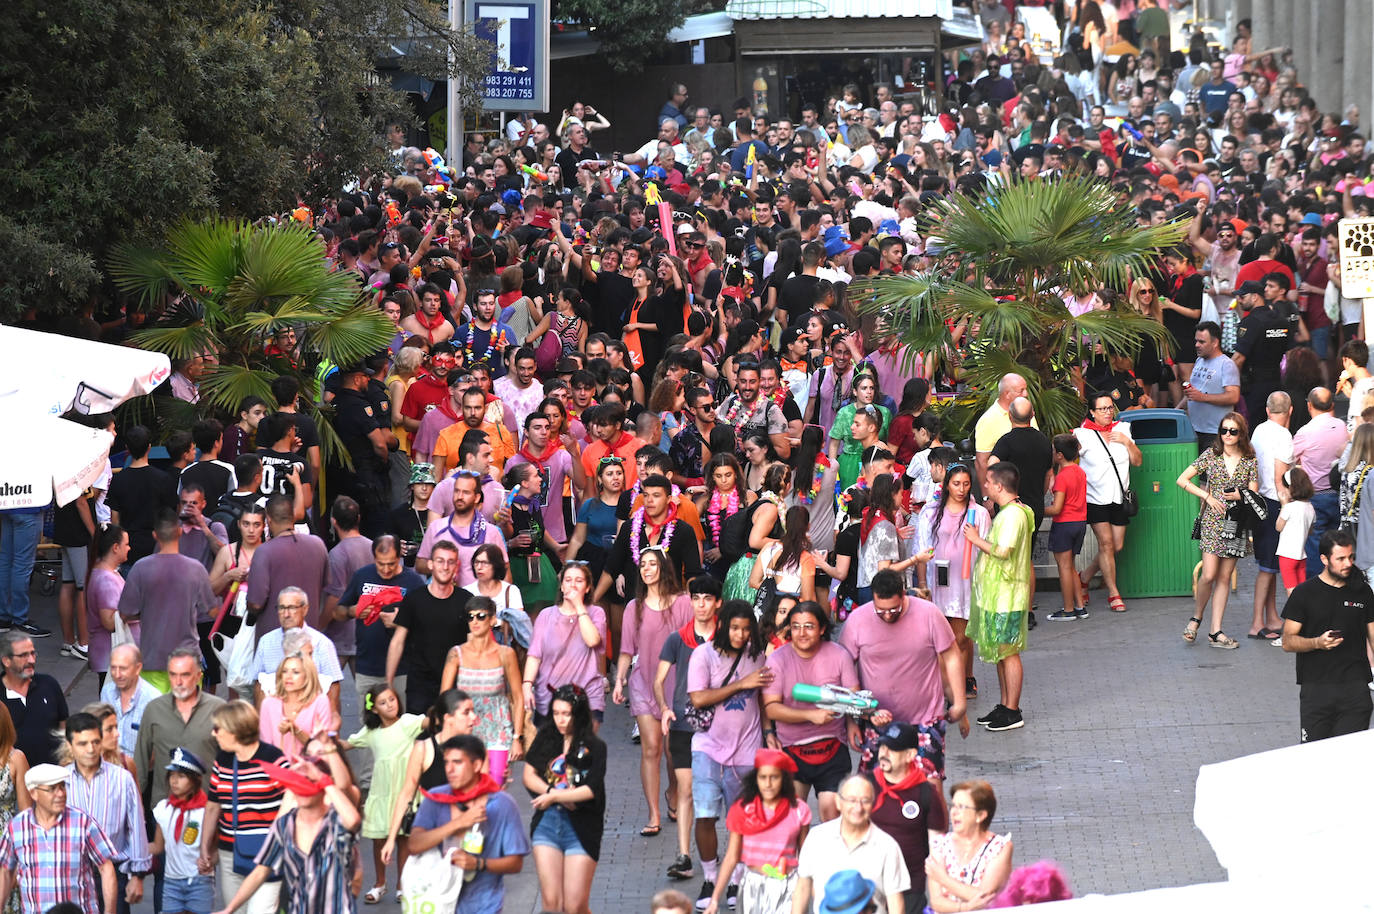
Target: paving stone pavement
x,y
1120,713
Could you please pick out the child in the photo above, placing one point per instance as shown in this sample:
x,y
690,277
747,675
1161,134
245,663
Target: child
x,y
1070,513
1295,520
390,735
182,817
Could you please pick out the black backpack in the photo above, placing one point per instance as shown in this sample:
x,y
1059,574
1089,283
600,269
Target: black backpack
x,y
230,509
734,534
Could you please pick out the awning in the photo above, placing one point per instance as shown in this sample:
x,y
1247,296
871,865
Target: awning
x,y
58,460
49,374
563,45
839,9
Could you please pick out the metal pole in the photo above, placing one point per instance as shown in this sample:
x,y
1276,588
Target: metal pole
x,y
455,113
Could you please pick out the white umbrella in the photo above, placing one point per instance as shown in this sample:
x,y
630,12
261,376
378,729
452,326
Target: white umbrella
x,y
46,373
62,459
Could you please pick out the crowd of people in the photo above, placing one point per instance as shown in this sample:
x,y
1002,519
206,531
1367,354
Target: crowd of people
x,y
634,442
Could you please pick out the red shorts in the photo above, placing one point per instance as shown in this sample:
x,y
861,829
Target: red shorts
x,y
1294,571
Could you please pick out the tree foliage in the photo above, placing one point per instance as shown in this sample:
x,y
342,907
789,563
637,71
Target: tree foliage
x,y
632,33
232,285
121,118
1010,255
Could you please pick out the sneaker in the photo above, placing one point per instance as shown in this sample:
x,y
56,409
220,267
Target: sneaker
x,y
81,651
65,650
634,733
732,895
988,717
1061,615
6,625
681,868
1030,622
33,631
1007,720
708,889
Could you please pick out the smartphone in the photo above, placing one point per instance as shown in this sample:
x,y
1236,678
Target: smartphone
x,y
1337,633
615,157
942,573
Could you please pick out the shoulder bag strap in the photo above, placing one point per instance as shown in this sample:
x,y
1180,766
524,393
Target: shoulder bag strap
x,y
234,798
1355,498
1112,463
734,666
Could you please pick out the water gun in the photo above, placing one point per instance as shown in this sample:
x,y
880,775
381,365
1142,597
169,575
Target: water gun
x,y
836,698
535,174
749,162
393,213
370,605
442,172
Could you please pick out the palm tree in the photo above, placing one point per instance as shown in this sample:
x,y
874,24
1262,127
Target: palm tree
x,y
227,286
1010,255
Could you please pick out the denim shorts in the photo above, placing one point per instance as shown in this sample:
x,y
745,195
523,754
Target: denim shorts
x,y
196,894
555,830
714,786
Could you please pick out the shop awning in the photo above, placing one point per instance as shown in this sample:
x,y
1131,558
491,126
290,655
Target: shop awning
x,y
563,45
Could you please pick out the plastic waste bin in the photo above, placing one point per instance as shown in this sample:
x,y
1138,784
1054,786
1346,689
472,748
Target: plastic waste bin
x,y
1160,552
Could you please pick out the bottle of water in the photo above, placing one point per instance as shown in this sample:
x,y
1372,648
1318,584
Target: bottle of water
x,y
473,842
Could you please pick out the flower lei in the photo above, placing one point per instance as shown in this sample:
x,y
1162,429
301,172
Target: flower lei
x,y
822,464
734,410
637,523
773,499
495,341
718,508
847,496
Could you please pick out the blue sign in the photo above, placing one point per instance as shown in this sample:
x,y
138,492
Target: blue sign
x,y
519,33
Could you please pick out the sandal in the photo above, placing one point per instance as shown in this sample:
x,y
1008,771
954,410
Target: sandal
x,y
375,894
668,804
1265,634
1084,584
650,831
1116,604
1222,640
1191,629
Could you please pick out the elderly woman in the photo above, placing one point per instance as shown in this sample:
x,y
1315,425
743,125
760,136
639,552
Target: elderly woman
x,y
969,864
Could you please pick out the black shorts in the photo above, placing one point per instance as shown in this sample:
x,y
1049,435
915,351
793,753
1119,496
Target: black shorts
x,y
680,749
1108,514
826,776
1067,536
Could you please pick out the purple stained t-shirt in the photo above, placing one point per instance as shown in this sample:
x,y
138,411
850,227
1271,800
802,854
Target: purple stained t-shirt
x,y
444,529
346,557
900,661
736,728
645,637
830,665
288,560
564,657
557,469
166,593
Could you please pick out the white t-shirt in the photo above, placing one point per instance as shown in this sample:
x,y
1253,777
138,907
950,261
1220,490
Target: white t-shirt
x,y
1358,390
1271,442
1103,485
1298,517
181,854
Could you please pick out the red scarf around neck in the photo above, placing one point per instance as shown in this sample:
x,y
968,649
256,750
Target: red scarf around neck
x,y
753,817
184,805
485,785
1090,424
915,775
688,634
539,462
430,326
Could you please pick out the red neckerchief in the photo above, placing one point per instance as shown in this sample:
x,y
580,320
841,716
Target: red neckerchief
x,y
1104,429
429,327
196,800
914,776
539,462
1180,277
484,786
652,529
870,519
688,634
752,818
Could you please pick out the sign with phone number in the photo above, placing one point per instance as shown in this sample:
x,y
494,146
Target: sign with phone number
x,y
519,32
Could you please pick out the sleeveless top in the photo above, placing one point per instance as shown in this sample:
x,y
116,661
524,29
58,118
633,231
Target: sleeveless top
x,y
491,701
433,777
567,331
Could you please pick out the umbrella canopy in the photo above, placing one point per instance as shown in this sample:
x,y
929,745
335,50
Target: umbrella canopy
x,y
46,373
62,460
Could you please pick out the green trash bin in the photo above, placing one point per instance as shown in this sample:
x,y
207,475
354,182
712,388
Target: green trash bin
x,y
1160,552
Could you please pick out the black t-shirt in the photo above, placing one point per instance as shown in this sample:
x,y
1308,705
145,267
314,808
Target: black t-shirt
x,y
69,530
1263,338
790,411
276,468
1318,608
613,296
307,431
906,818
683,551
665,311
404,524
1030,452
847,543
137,493
567,162
214,476
35,718
797,295
432,627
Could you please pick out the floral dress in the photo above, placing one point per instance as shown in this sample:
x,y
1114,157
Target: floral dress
x,y
974,871
9,808
1220,534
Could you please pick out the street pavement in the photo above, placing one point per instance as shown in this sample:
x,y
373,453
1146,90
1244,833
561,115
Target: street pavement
x,y
1120,713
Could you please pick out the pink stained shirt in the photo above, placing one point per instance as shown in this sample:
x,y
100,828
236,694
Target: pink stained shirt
x,y
900,661
564,657
441,530
830,665
312,718
778,843
644,634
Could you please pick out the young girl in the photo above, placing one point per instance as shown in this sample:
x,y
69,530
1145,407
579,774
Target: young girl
x,y
182,817
1295,520
767,827
390,735
725,497
529,546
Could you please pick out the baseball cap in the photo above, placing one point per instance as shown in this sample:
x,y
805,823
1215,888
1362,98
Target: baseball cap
x,y
900,737
1251,287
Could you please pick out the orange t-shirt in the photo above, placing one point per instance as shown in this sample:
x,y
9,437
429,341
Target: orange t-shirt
x,y
503,445
624,448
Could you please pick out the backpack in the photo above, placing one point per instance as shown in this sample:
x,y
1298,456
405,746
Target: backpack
x,y
230,508
734,534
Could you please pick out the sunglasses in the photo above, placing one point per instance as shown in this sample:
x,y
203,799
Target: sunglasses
x,y
468,474
1231,431
605,461
480,615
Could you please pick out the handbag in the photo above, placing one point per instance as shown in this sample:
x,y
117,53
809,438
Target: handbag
x,y
701,718
1130,502
768,590
237,653
430,883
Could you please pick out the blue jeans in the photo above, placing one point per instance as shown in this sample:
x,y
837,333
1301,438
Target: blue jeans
x,y
19,535
1328,508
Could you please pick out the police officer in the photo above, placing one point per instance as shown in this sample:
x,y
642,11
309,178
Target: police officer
x,y
1262,339
367,438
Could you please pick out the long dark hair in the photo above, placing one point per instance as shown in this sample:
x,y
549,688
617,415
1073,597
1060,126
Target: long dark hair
x,y
775,478
749,788
371,719
796,538
765,442
582,729
915,392
724,459
737,609
445,705
815,610
944,499
882,504
667,582
805,458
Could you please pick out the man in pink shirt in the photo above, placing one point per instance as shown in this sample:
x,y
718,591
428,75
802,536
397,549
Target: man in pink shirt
x,y
902,646
1316,447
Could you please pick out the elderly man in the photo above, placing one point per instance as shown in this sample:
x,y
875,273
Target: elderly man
x,y
180,718
851,842
51,852
996,422
292,608
35,700
128,693
908,805
106,792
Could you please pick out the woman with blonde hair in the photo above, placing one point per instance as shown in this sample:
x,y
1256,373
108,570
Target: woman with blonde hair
x,y
405,368
1149,365
299,709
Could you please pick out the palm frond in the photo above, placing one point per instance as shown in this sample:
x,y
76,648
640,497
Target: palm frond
x,y
177,342
206,255
228,384
351,335
140,272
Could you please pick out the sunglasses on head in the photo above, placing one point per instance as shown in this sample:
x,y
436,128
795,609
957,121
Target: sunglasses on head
x,y
604,461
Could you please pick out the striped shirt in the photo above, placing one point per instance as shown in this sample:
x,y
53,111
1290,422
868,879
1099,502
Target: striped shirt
x,y
317,882
259,797
111,799
55,864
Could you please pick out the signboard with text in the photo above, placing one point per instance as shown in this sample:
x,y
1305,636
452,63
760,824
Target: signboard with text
x,y
519,31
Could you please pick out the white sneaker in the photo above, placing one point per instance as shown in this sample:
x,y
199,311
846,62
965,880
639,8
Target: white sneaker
x,y
81,651
65,650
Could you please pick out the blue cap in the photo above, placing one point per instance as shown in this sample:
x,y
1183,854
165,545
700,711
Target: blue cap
x,y
656,173
847,892
184,760
511,199
835,241
889,227
1312,219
